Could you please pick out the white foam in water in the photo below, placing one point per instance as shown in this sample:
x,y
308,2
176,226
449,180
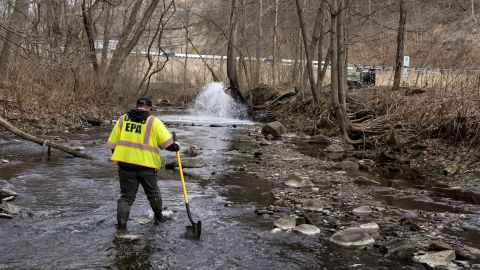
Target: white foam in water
x,y
213,101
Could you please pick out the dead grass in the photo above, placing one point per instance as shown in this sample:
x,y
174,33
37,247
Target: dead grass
x,y
48,99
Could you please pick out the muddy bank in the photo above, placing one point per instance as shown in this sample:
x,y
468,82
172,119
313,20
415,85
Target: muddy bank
x,y
353,193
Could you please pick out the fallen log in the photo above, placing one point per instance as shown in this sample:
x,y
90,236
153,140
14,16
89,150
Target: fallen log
x,y
43,142
275,101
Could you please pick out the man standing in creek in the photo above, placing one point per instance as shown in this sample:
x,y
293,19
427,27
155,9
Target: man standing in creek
x,y
135,141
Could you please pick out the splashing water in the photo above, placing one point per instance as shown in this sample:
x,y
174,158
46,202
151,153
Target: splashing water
x,y
215,102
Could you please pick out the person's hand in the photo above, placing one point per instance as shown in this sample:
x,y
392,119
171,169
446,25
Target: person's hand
x,y
174,147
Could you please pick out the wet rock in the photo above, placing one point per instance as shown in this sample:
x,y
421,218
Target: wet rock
x,y
346,165
366,164
285,223
451,169
296,181
244,138
94,121
276,230
364,181
435,260
192,151
307,229
4,192
264,142
128,237
463,264
438,246
5,215
362,210
398,248
462,253
313,205
318,139
10,208
352,237
77,147
372,228
263,211
300,220
5,161
276,129
334,148
7,199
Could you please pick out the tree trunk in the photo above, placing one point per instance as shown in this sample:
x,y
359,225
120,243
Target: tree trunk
x,y
274,48
400,45
106,35
338,74
185,63
4,123
473,11
259,44
308,51
231,55
87,23
13,37
128,40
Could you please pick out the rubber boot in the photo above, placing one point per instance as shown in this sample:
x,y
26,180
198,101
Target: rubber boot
x,y
156,204
123,212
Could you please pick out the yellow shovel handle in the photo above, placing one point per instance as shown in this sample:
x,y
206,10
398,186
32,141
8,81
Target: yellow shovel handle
x,y
184,189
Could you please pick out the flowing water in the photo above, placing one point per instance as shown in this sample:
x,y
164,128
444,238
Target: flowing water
x,y
71,202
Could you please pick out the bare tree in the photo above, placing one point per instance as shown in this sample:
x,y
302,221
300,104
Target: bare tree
x,y
87,23
106,34
274,42
231,54
128,39
259,43
400,45
338,12
473,11
13,37
309,49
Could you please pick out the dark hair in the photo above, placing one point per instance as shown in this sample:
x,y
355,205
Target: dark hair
x,y
144,101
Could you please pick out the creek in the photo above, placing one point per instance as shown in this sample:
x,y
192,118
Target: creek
x,y
70,216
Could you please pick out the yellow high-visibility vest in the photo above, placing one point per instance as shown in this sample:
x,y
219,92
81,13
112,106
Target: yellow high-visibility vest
x,y
139,143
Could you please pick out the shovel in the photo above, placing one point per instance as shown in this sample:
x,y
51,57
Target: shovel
x,y
195,230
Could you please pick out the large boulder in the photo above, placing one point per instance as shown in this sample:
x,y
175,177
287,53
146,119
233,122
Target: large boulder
x,y
285,223
307,229
435,260
352,237
276,129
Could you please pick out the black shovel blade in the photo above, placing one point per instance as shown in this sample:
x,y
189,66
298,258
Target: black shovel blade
x,y
194,231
